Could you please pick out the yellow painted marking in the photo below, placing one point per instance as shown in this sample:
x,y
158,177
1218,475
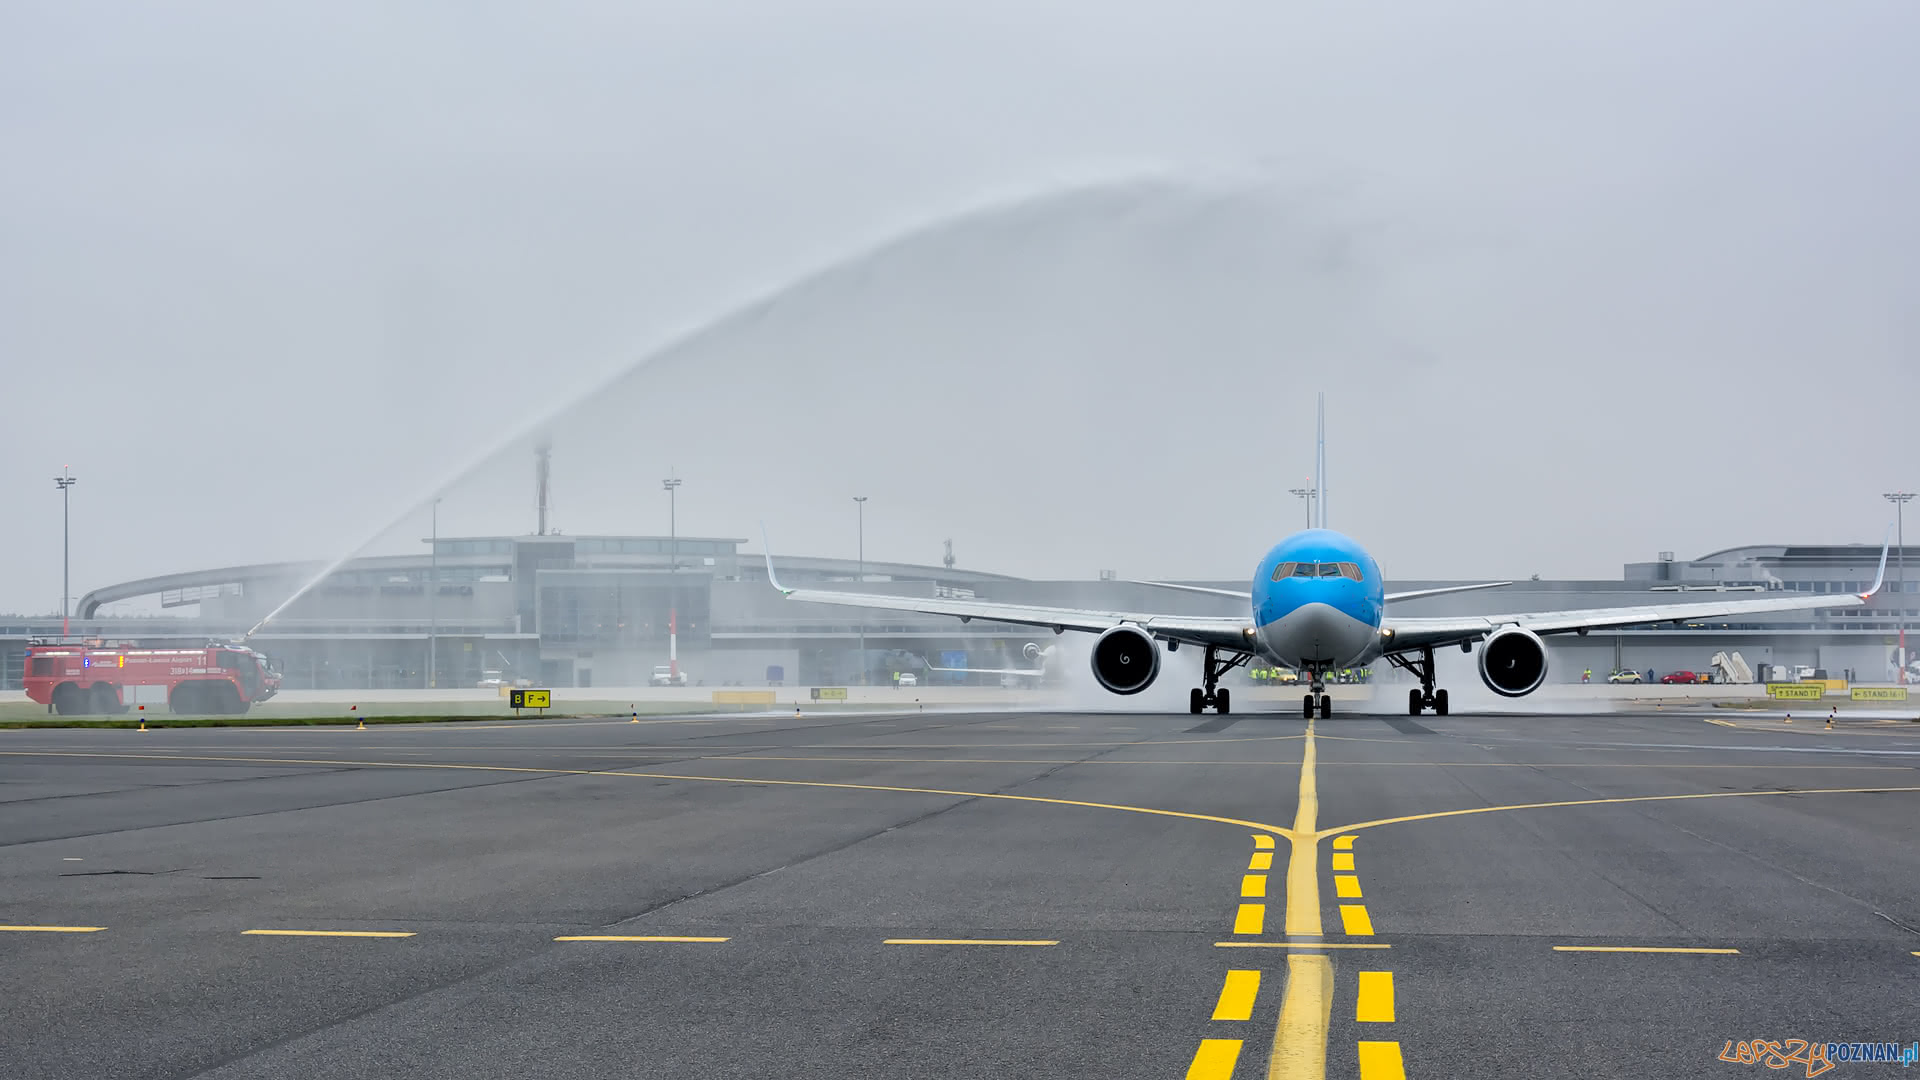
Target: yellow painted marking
x,y
1253,885
52,929
1250,919
1344,843
1375,1003
629,937
963,941
1262,840
1381,1061
1303,873
1300,1039
1346,886
1214,1060
1261,860
1606,802
330,933
1342,860
1353,917
1236,996
1722,723
522,769
1640,949
1299,945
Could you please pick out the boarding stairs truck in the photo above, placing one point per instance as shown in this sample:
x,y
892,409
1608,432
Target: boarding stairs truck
x,y
1731,668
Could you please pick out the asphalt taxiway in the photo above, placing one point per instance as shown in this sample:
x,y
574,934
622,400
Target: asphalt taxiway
x,y
943,894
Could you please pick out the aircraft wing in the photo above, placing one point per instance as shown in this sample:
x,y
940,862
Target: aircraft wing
x,y
1031,672
1407,634
1415,594
1224,631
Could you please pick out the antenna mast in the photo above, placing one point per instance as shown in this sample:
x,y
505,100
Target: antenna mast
x,y
542,468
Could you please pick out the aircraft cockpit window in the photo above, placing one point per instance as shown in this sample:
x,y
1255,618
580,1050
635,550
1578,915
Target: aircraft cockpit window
x,y
1350,571
1306,569
1330,570
1283,570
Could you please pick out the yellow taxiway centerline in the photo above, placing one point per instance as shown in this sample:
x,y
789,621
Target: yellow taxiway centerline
x,y
52,929
1214,1060
1306,1011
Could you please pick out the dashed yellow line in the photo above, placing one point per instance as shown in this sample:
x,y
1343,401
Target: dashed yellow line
x,y
1214,1060
1354,919
1346,886
1262,840
1250,919
332,933
966,941
51,929
635,937
1300,945
1261,860
1642,949
1374,1005
1344,843
1253,885
1343,860
1381,1061
1237,995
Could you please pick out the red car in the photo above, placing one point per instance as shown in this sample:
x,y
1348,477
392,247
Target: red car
x,y
1680,677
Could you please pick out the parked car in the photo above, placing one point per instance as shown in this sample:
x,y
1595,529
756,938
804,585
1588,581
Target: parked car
x,y
908,678
1674,677
1625,677
664,676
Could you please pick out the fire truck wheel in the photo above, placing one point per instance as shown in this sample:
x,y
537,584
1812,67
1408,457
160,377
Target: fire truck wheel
x,y
224,700
105,701
68,700
186,699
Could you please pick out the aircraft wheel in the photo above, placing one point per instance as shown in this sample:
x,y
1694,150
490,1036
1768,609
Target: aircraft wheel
x,y
1414,704
1196,701
1439,703
1307,709
1326,706
1222,703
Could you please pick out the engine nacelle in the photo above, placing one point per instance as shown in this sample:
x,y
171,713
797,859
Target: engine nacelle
x,y
1031,652
1125,660
1513,662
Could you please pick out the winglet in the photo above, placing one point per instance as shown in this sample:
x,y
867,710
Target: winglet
x,y
767,549
1881,578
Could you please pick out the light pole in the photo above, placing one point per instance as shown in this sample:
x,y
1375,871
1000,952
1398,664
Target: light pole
x,y
860,502
1307,494
672,485
1900,499
433,603
64,482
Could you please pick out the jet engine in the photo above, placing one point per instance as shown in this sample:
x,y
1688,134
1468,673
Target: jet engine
x,y
1125,660
1032,651
1513,662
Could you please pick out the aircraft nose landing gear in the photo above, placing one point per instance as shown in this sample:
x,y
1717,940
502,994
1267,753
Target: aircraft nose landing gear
x,y
1214,696
1316,697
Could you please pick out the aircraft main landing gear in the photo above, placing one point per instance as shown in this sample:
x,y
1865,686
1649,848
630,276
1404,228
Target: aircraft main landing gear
x,y
1426,697
1213,695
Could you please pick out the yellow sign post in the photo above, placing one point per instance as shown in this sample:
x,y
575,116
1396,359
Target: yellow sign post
x,y
829,693
1796,691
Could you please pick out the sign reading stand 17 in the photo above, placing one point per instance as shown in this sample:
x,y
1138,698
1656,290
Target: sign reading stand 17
x,y
529,699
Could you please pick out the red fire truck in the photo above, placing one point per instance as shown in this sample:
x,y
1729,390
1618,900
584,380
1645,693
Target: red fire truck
x,y
80,678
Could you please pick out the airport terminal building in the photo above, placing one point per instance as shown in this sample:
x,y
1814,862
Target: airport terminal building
x,y
580,611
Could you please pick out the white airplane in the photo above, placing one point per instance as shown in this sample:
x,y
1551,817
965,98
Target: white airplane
x,y
1317,604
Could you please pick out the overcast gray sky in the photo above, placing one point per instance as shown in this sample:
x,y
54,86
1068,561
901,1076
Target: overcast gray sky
x,y
1582,281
